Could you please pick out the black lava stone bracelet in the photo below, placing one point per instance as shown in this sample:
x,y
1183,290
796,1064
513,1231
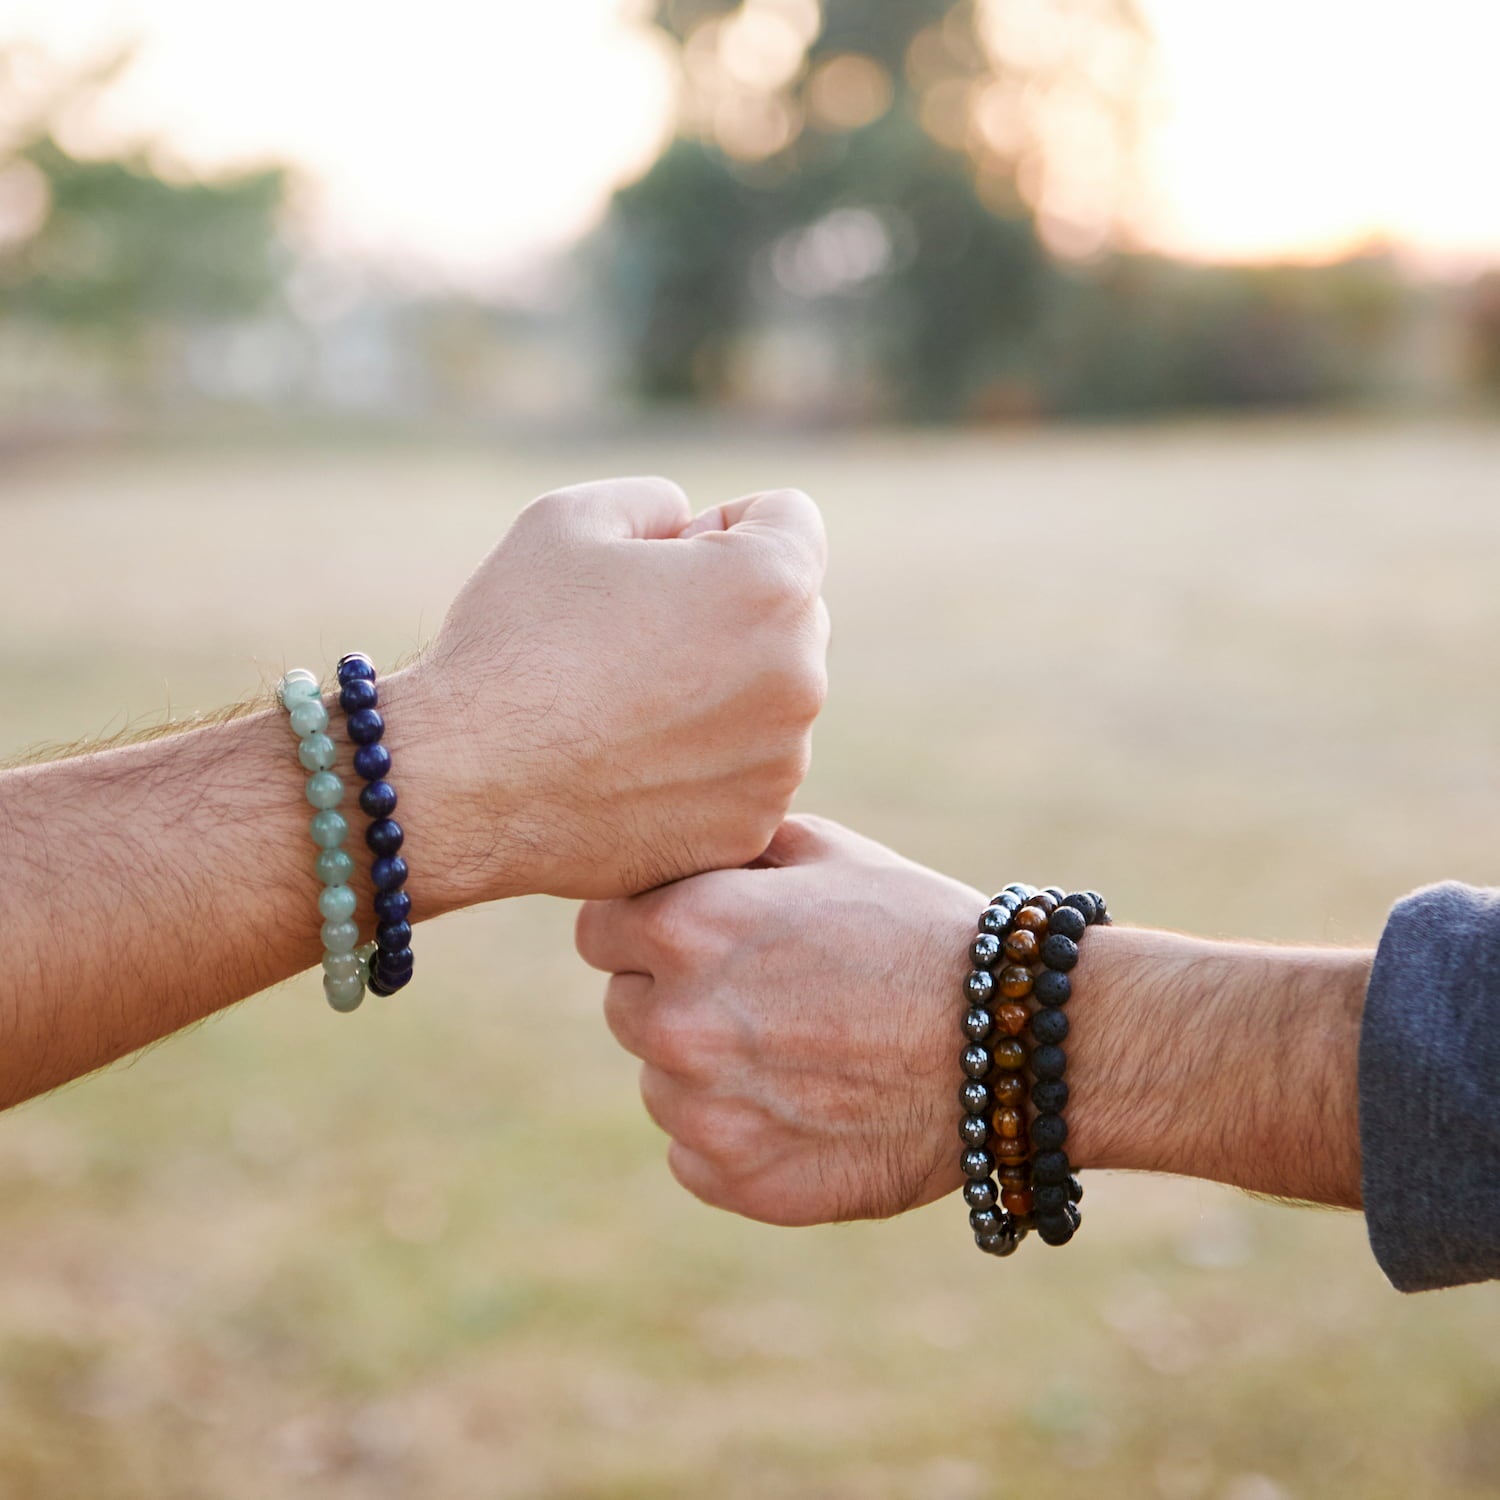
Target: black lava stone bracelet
x,y
392,965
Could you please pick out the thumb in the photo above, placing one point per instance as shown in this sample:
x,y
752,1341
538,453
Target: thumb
x,y
788,518
800,840
641,508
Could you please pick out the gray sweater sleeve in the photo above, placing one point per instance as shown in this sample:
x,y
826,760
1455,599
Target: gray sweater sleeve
x,y
1429,1090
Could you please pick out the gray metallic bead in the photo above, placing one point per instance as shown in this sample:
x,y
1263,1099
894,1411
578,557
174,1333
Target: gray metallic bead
x,y
977,1024
974,1130
976,1061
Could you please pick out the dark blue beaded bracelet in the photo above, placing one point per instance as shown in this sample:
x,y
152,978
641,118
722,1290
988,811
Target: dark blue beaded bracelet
x,y
392,963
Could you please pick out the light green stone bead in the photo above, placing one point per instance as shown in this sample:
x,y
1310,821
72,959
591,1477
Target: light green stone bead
x,y
337,902
296,687
309,717
317,753
329,829
335,866
340,937
324,789
365,953
344,995
341,965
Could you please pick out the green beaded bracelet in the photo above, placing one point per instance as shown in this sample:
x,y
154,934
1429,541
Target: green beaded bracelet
x,y
346,961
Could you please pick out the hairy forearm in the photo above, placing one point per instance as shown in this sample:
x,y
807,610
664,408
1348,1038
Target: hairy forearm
x,y
1232,1062
150,885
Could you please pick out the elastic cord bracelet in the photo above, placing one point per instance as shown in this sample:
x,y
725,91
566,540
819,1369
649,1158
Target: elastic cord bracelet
x,y
392,966
345,963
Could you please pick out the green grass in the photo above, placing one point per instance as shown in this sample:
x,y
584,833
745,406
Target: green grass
x,y
433,1250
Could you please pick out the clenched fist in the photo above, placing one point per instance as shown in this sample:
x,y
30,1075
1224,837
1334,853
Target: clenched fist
x,y
621,694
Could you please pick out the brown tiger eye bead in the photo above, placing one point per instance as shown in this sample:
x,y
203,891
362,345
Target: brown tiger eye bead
x,y
1029,919
1016,1175
1012,1017
1009,1055
1045,900
1009,1124
1017,1201
1015,982
1021,947
1013,1151
1009,1090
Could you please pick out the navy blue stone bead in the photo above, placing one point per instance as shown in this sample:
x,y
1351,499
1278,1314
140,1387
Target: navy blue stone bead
x,y
1059,952
975,1097
1050,1094
981,1194
979,987
976,1061
1083,904
389,872
390,936
375,987
394,982
1049,1062
1048,1132
977,1163
365,727
378,799
394,960
1051,1198
355,665
984,951
1050,1167
372,762
995,919
358,693
1049,1026
1052,988
385,836
392,906
1067,921
973,1130
977,1024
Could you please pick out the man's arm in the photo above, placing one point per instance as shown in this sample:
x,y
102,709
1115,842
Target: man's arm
x,y
609,704
799,1029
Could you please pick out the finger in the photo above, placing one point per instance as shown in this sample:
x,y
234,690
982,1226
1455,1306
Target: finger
x,y
661,1094
627,999
788,518
609,936
801,840
644,508
699,1176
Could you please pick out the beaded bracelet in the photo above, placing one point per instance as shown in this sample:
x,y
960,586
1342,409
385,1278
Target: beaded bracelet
x,y
345,963
1035,934
393,962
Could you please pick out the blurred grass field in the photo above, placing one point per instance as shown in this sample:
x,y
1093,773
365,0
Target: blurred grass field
x,y
434,1250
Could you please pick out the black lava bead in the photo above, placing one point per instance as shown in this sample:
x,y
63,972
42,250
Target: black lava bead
x,y
1101,907
1050,1166
1067,922
355,665
980,987
388,872
1046,1062
392,906
975,1097
1049,1026
977,1163
1048,1132
987,1221
974,1130
365,727
1059,953
1075,1189
1054,1229
1052,988
984,951
977,1024
385,836
982,1193
378,799
1083,904
976,1061
1051,1198
358,693
1050,1094
371,762
995,919
389,936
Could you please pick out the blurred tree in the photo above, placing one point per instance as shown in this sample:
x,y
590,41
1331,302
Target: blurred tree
x,y
895,158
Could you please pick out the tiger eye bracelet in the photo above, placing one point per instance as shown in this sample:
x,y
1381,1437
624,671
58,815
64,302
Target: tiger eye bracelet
x,y
1025,951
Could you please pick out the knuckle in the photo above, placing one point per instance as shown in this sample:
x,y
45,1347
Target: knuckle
x,y
678,1042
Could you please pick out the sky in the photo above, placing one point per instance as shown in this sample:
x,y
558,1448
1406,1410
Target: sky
x,y
471,138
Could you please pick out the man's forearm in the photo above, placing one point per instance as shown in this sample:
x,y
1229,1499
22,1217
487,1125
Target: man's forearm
x,y
1227,1061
